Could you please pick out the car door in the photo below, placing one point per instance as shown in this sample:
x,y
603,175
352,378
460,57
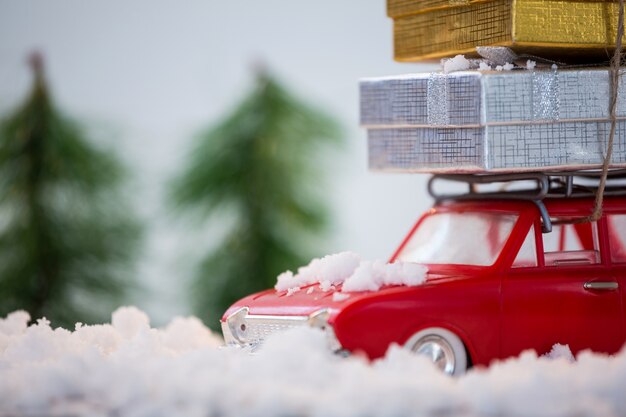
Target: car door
x,y
565,294
616,238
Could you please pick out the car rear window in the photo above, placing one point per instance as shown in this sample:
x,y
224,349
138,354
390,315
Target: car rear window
x,y
616,225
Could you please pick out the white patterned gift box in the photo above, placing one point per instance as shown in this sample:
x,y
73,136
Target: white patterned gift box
x,y
504,121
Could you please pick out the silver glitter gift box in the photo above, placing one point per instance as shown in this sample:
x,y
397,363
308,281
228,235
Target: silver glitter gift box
x,y
478,121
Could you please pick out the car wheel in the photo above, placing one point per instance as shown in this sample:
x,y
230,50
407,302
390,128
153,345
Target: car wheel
x,y
442,347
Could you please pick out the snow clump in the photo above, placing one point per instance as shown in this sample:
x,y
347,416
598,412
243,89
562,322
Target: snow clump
x,y
355,274
340,296
371,276
458,63
506,67
332,268
129,321
291,291
561,351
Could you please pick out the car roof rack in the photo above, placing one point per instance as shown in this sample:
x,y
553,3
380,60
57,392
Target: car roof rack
x,y
560,184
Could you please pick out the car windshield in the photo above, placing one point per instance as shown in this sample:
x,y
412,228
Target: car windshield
x,y
468,238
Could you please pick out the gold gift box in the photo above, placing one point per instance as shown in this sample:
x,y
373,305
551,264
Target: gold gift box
x,y
574,31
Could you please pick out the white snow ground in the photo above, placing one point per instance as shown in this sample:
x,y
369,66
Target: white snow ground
x,y
129,369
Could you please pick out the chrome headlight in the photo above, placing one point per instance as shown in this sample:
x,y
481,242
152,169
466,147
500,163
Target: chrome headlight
x,y
319,320
234,328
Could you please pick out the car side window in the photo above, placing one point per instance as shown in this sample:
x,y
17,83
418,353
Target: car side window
x,y
616,227
571,244
527,255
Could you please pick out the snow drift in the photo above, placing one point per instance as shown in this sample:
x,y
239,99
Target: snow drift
x,y
127,368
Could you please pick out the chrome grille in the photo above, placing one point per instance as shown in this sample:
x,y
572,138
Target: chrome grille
x,y
250,330
260,328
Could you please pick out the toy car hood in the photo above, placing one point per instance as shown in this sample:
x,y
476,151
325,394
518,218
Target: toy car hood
x,y
312,298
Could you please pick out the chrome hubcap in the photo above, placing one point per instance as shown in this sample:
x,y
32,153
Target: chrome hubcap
x,y
438,350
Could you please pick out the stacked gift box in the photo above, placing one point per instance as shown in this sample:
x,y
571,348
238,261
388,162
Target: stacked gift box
x,y
439,28
517,112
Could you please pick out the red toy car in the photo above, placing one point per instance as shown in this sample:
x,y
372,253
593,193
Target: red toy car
x,y
499,282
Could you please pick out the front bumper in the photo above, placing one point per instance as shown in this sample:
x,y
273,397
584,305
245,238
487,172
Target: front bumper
x,y
245,330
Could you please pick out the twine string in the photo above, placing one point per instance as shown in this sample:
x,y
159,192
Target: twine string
x,y
614,70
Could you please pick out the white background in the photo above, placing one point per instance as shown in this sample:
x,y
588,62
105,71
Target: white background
x,y
146,75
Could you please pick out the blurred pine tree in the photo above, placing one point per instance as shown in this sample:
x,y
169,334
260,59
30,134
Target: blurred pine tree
x,y
259,171
65,237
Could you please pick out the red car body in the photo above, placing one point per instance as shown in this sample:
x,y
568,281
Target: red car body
x,y
574,297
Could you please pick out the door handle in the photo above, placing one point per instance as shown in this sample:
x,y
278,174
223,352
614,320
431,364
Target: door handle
x,y
601,285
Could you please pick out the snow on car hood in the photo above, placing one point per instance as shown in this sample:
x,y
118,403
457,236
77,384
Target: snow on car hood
x,y
303,302
309,299
351,272
333,282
